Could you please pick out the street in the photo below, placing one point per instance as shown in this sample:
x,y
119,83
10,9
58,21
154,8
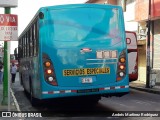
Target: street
x,y
135,101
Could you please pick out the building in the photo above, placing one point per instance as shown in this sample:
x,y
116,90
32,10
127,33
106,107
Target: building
x,y
136,18
141,16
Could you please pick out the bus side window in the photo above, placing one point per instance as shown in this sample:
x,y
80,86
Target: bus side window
x,y
34,39
27,44
21,48
20,52
36,36
24,46
31,44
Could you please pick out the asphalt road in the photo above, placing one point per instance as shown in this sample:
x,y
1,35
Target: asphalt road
x,y
134,101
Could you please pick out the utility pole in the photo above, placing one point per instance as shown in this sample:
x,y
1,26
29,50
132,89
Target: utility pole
x,y
5,60
6,84
148,48
5,23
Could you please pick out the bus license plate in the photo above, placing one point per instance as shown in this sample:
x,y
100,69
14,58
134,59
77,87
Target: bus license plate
x,y
87,80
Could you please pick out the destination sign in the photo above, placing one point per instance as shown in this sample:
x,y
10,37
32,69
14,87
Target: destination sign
x,y
86,71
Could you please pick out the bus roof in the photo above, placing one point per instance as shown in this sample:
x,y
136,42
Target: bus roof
x,y
69,6
80,5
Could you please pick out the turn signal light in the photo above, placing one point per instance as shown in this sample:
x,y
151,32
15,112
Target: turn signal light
x,y
47,64
122,60
49,71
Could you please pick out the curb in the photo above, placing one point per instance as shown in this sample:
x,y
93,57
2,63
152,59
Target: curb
x,y
15,100
150,90
16,103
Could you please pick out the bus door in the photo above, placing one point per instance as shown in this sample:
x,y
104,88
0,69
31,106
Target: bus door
x,y
131,40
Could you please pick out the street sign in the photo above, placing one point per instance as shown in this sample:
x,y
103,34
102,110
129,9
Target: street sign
x,y
8,3
8,27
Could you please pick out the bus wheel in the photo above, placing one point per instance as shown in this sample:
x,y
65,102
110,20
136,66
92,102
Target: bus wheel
x,y
33,100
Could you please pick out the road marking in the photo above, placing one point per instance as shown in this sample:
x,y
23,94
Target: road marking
x,y
142,102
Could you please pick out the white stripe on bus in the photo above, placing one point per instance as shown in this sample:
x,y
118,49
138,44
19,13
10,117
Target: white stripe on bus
x,y
73,91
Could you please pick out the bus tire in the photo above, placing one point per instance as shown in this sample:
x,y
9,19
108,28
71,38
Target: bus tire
x,y
33,100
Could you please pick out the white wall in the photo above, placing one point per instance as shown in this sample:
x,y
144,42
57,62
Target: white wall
x,y
129,15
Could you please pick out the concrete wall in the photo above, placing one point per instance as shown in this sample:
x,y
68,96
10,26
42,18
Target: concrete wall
x,y
142,7
141,10
129,16
142,63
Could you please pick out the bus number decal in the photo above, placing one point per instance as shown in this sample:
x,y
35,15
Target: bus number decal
x,y
86,71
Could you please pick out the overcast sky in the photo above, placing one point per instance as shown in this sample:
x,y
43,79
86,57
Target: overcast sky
x,y
27,8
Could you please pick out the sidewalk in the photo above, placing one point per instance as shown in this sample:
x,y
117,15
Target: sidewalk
x,y
139,85
5,107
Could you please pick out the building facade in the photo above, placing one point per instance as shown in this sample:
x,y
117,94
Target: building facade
x,y
141,16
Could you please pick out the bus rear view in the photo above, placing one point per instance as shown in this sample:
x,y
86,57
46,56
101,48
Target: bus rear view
x,y
86,46
82,52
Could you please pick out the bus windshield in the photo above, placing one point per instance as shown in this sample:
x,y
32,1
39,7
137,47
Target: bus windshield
x,y
79,24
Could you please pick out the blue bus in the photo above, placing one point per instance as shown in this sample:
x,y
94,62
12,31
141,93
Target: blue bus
x,y
76,50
